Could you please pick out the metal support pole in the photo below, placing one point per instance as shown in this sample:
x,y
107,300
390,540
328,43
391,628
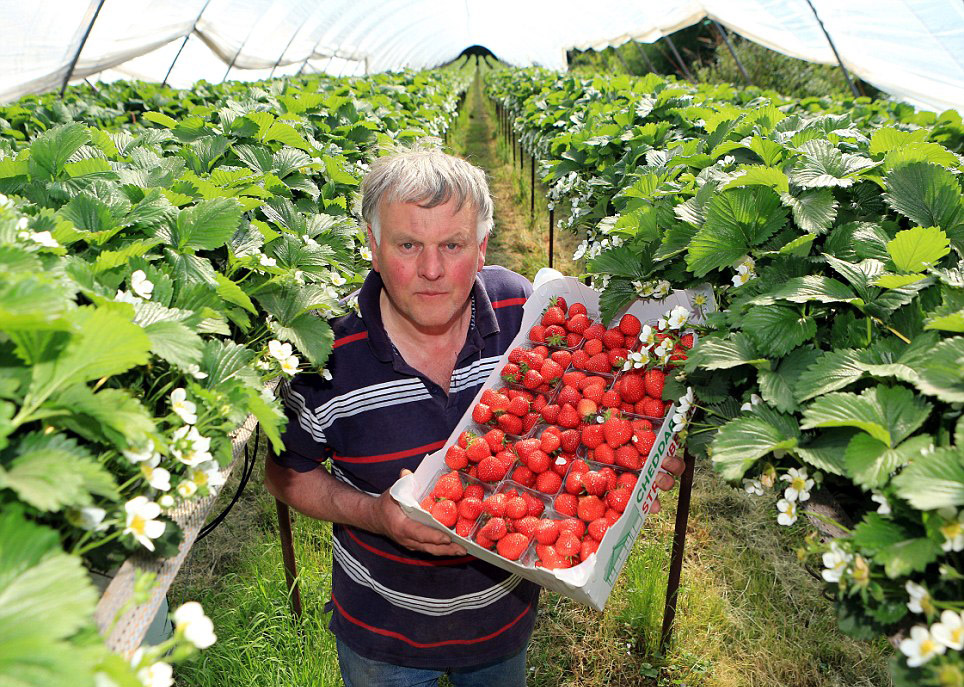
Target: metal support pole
x,y
672,46
552,227
282,55
288,555
622,60
80,48
532,187
649,62
726,39
676,557
853,89
184,42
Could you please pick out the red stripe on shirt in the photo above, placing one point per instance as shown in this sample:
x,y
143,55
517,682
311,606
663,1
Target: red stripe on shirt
x,y
348,339
426,645
409,561
385,457
509,301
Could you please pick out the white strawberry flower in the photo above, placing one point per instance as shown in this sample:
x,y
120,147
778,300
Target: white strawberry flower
x,y
190,447
290,365
310,242
677,317
194,370
686,401
788,512
754,400
636,359
740,279
952,529
337,279
145,454
354,305
643,290
207,474
920,647
158,478
141,522
279,351
191,622
950,630
156,674
800,484
185,409
186,489
265,261
920,598
753,486
89,518
326,374
22,224
662,289
126,297
43,238
679,421
5,202
647,335
835,562
166,501
366,253
884,505
141,285
581,250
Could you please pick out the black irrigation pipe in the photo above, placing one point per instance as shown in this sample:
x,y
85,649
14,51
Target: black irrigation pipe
x,y
247,469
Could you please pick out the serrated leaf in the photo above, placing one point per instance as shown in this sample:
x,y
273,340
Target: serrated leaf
x,y
753,175
928,194
939,373
232,293
89,167
223,361
719,354
109,259
913,250
175,343
778,329
823,165
310,334
813,211
933,480
160,118
870,463
50,151
888,138
826,451
209,224
109,416
812,287
898,281
288,135
270,420
776,387
874,533
953,322
799,246
38,476
31,302
921,152
741,442
888,414
911,555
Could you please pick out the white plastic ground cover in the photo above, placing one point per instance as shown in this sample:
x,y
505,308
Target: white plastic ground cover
x,y
912,49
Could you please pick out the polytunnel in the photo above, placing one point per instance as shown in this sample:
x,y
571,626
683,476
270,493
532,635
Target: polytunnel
x,y
910,49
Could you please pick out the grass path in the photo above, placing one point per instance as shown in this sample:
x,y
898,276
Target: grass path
x,y
748,613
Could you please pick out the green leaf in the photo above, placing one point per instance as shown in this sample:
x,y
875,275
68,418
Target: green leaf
x,y
209,224
921,152
934,479
719,354
812,287
742,441
888,138
776,387
870,463
50,151
813,211
621,261
889,414
270,420
823,165
752,175
90,167
769,151
914,250
875,533
232,293
929,195
736,220
898,281
799,246
110,259
939,373
287,134
224,361
90,214
175,343
826,451
109,416
906,557
778,329
31,302
160,118
38,476
311,335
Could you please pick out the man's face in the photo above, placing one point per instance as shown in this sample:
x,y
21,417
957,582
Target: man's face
x,y
428,258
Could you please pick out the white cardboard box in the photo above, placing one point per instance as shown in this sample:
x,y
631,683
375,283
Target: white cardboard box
x,y
591,581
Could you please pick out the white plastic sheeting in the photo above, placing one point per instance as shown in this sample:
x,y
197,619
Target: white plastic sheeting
x,y
913,49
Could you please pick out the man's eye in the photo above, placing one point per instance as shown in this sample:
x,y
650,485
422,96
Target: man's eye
x,y
451,245
408,245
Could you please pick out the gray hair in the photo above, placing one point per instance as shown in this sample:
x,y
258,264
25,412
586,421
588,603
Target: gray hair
x,y
428,177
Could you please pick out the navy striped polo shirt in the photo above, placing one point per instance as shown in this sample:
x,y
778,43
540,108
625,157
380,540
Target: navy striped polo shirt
x,y
377,416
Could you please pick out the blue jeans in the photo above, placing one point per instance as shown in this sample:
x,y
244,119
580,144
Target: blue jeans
x,y
358,671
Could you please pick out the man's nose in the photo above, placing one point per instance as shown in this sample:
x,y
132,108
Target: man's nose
x,y
430,264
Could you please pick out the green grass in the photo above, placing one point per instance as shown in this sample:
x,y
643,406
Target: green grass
x,y
748,612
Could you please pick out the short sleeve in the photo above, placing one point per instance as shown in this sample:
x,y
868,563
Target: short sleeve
x,y
304,440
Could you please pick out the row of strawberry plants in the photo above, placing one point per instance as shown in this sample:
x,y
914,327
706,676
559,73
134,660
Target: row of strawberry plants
x,y
833,238
155,273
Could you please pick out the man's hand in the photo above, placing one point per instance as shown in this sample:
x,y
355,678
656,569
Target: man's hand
x,y
666,480
393,523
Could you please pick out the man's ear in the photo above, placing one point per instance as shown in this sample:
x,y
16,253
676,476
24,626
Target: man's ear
x,y
482,247
373,247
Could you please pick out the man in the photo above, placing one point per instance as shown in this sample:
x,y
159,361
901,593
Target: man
x,y
407,603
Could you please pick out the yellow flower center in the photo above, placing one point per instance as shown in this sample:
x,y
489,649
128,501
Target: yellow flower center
x,y
927,647
138,524
952,529
799,484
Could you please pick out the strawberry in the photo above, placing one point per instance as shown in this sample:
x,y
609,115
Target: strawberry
x,y
617,431
477,449
613,338
526,525
594,392
550,440
523,475
550,559
568,395
494,529
632,388
643,440
587,548
566,504
448,486
586,408
560,465
612,482
531,359
686,341
525,447
569,440
567,544
551,372
499,403
595,482
553,315
481,413
568,417
628,457
550,413
561,358
630,325
654,380
548,482
627,407
455,457
555,335
495,505
652,407
510,424
573,484
446,512
599,363
605,454
507,458
573,339
579,359
511,374
537,333
427,503
495,438
597,528
578,323
539,461
518,406
484,541
577,309
574,525
559,302
515,507
592,435
536,506
617,356
491,469
610,399
473,491
463,527
547,531
593,346
612,516
594,331
640,424
627,479
618,499
470,508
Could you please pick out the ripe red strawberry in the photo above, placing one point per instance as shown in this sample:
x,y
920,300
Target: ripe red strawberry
x,y
448,486
532,359
569,440
507,458
578,323
525,447
550,559
560,465
573,339
548,482
547,531
654,380
566,504
573,377
594,331
536,506
605,454
498,402
537,333
599,363
529,421
617,431
491,469
592,435
526,525
586,408
617,356
481,413
455,457
594,393
551,372
484,541
470,508
612,516
593,346
518,406
474,491
627,479
632,388
567,544
550,413
495,505
618,499
628,457
550,440
524,476
574,525
686,341
515,507
587,548
477,449
595,483
613,338
579,359
573,484
630,325
559,302
494,529
643,440
652,407
427,503
495,438
597,528
561,358
446,512
511,373
568,417
539,461
577,309
463,527
568,395
510,424
553,315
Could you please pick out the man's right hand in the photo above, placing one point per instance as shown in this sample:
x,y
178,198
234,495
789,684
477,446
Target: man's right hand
x,y
393,523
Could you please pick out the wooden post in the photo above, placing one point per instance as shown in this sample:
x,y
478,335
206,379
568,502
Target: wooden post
x,y
552,228
532,187
676,557
288,555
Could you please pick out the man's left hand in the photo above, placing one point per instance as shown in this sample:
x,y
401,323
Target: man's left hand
x,y
673,466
